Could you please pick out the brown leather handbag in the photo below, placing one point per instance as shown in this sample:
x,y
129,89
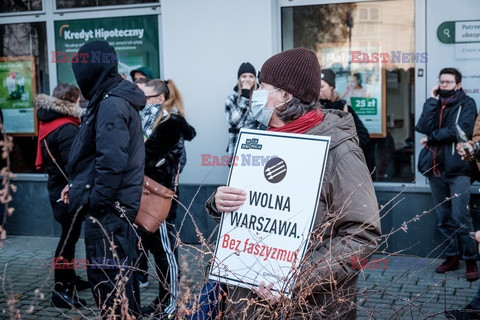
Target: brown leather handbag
x,y
154,205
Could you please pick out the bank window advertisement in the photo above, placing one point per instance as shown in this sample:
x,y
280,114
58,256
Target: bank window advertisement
x,y
359,81
135,40
17,90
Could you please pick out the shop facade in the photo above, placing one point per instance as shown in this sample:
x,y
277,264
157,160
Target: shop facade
x,y
396,46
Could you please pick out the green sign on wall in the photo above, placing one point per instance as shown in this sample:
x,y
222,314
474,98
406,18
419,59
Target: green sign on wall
x,y
135,40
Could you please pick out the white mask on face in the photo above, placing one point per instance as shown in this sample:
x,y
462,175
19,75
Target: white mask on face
x,y
259,100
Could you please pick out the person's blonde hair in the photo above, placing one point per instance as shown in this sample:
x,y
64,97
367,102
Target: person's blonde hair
x,y
173,98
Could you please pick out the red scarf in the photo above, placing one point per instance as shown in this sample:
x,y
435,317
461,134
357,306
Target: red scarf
x,y
45,129
302,124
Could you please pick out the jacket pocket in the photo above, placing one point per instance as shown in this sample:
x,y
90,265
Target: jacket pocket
x,y
79,195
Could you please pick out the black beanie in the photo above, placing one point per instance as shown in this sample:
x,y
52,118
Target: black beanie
x,y
296,71
101,64
329,76
246,67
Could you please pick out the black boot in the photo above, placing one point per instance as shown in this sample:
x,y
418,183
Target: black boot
x,y
65,297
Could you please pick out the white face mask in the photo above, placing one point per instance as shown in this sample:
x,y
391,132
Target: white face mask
x,y
259,100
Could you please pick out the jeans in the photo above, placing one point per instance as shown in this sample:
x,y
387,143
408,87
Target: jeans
x,y
454,220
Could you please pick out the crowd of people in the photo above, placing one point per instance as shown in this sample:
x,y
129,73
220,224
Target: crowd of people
x,y
96,159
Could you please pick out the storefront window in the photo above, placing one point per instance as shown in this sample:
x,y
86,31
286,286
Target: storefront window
x,y
22,44
9,6
370,47
68,4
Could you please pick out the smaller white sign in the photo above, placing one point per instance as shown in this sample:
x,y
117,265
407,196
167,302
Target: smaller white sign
x,y
265,240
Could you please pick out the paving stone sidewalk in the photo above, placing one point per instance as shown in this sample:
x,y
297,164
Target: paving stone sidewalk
x,y
406,287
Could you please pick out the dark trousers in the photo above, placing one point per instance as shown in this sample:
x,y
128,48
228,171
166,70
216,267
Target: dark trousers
x,y
110,272
65,253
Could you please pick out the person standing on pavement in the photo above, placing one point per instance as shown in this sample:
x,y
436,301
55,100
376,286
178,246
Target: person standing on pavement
x,y
238,104
347,222
105,171
448,175
163,151
59,118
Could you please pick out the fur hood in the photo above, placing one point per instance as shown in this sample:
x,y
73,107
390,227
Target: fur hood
x,y
62,107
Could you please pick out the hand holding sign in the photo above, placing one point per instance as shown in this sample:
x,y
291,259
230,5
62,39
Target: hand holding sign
x,y
228,199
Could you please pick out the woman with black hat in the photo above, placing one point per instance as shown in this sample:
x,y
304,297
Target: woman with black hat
x,y
237,105
330,100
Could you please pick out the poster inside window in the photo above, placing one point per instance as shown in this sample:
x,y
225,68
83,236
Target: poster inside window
x,y
17,90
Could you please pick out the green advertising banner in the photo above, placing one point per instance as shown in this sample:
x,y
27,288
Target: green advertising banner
x,y
135,40
17,90
364,106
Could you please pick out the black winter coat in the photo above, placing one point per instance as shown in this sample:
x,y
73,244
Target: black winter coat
x,y
165,147
442,132
59,141
106,162
362,132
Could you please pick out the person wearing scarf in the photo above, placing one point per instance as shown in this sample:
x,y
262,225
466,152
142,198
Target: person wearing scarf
x,y
347,222
447,173
59,118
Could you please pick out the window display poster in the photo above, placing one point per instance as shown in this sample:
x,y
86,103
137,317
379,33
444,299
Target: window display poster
x,y
359,83
135,40
17,90
266,238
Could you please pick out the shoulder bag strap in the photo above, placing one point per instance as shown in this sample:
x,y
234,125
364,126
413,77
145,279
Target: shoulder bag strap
x,y
54,160
176,179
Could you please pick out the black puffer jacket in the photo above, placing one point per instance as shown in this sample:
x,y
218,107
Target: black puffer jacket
x,y
362,132
167,142
107,159
442,133
58,141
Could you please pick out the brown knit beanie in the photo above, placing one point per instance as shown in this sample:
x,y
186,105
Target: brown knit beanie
x,y
296,71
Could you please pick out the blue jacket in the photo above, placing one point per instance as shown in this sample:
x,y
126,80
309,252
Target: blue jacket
x,y
439,124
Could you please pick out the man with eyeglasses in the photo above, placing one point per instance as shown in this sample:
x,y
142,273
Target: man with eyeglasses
x,y
449,175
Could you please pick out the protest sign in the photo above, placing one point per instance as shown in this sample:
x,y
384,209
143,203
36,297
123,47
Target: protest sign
x,y
265,240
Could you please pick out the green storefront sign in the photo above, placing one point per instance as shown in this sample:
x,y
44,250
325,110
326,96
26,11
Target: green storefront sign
x,y
135,40
364,106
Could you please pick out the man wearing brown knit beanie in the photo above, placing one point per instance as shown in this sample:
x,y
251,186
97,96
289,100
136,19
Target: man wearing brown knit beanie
x,y
346,229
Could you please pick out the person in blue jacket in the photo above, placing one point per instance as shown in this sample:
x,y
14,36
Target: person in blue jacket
x,y
448,175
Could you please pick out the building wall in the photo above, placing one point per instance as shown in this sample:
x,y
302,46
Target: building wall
x,y
204,43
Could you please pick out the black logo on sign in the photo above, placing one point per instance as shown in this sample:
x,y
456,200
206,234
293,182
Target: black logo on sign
x,y
275,170
251,144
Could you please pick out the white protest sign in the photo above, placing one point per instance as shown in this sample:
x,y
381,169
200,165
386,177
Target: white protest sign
x,y
265,240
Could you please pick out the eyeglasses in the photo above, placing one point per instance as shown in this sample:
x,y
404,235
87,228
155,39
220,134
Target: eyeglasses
x,y
446,82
